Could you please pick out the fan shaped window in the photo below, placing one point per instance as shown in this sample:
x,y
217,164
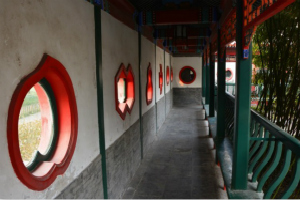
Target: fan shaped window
x,y
187,75
124,90
42,125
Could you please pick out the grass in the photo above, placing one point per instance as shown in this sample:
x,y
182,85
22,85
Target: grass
x,y
29,138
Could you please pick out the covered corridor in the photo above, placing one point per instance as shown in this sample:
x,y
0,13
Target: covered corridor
x,y
181,163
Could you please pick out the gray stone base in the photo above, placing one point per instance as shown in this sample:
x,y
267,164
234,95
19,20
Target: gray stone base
x,y
161,112
187,96
88,185
169,101
149,129
123,158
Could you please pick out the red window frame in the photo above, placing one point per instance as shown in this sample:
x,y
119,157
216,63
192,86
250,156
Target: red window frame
x,y
160,78
45,174
128,75
192,69
149,86
168,75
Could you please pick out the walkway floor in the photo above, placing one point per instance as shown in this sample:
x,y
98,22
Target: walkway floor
x,y
181,163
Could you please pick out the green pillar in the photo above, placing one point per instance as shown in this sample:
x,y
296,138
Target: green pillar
x,y
207,88
100,103
242,108
140,90
221,91
203,76
211,82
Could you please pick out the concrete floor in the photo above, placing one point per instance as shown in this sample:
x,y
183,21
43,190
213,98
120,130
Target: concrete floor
x,y
180,165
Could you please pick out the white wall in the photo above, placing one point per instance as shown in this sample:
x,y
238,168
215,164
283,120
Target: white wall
x,y
148,56
119,45
178,63
66,32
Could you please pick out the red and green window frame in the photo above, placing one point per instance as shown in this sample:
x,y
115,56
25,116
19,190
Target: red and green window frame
x,y
56,94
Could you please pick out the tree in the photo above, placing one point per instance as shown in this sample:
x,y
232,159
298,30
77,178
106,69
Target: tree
x,y
277,42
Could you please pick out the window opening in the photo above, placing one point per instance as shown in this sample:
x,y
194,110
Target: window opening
x,y
187,75
168,75
149,88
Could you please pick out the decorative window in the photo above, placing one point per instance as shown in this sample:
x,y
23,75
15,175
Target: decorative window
x,y
187,74
168,75
124,90
160,78
42,125
149,88
171,74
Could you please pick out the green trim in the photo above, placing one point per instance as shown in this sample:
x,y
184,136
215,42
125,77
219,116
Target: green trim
x,y
38,157
211,83
155,86
165,82
221,90
100,103
140,93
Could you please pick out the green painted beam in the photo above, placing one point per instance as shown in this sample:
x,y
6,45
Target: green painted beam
x,y
242,108
207,86
203,76
155,86
99,78
165,81
221,91
211,83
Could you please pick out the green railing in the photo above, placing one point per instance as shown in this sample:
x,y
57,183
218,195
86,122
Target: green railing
x,y
274,157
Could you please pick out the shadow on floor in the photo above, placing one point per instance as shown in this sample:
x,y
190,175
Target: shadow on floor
x,y
181,163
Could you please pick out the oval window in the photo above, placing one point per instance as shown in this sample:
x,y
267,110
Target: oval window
x,y
187,75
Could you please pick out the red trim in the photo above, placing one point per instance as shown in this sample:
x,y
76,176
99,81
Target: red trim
x,y
168,75
46,114
127,106
149,87
55,73
187,67
160,77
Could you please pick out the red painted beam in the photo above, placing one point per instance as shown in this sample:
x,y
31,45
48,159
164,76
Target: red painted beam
x,y
275,8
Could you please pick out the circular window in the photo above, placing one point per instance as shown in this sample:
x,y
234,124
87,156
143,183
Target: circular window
x,y
187,75
228,74
42,125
